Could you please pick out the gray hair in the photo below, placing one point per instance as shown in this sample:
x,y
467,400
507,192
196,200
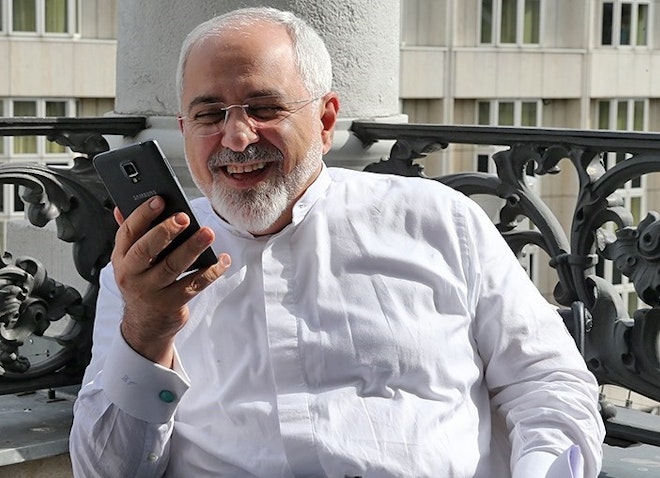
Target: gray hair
x,y
310,53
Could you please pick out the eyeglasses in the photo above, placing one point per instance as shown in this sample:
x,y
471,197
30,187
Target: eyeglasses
x,y
208,119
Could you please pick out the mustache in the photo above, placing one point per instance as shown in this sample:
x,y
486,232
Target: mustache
x,y
252,154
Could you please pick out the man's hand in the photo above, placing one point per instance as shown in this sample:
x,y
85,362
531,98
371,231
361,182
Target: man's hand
x,y
155,296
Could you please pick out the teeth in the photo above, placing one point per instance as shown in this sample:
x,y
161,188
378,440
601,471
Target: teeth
x,y
244,168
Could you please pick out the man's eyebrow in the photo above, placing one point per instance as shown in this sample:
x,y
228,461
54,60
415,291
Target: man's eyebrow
x,y
203,100
208,99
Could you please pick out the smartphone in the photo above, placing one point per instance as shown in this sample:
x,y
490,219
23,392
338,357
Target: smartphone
x,y
132,174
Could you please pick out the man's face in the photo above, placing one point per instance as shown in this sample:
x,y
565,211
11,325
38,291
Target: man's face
x,y
254,164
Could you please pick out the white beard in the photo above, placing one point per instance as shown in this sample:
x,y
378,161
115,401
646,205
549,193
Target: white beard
x,y
257,209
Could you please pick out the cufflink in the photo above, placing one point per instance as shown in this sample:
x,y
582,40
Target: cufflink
x,y
166,396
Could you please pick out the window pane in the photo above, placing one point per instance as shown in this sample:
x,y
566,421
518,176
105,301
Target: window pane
x,y
622,116
505,114
56,16
19,205
508,23
487,21
638,116
626,22
642,24
606,33
24,16
2,138
528,116
55,108
603,115
484,113
632,303
636,209
532,21
482,163
25,144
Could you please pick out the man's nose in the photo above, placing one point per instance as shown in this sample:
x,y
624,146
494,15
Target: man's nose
x,y
238,131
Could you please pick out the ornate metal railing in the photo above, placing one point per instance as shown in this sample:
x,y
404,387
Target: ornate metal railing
x,y
619,348
30,301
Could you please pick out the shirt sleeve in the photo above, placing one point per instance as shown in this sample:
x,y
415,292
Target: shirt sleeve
x,y
123,416
538,381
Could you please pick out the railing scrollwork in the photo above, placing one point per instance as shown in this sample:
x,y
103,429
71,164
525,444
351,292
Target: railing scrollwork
x,y
619,348
53,321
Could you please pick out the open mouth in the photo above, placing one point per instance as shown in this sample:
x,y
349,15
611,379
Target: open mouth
x,y
247,175
244,168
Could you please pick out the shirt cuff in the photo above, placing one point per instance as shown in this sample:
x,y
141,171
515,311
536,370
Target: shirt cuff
x,y
569,464
139,387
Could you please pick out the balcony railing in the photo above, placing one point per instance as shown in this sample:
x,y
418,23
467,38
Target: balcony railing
x,y
31,301
620,348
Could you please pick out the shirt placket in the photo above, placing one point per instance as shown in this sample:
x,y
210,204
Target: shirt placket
x,y
282,319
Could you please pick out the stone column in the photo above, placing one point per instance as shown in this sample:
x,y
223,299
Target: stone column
x,y
362,37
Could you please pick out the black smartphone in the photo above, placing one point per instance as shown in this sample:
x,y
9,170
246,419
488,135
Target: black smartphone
x,y
132,174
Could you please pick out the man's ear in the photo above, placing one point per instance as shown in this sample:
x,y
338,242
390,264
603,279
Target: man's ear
x,y
180,121
329,119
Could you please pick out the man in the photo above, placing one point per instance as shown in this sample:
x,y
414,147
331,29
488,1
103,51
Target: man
x,y
356,324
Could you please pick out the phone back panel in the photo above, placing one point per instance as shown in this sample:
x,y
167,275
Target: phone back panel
x,y
135,173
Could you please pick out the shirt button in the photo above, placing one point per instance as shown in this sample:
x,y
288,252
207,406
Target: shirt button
x,y
166,396
151,457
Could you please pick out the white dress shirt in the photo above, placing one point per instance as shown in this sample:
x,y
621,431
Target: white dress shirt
x,y
388,331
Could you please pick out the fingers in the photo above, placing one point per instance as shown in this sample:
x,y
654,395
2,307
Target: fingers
x,y
177,261
138,246
118,216
137,224
192,284
155,290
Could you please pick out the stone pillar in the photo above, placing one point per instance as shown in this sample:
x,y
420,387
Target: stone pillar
x,y
362,37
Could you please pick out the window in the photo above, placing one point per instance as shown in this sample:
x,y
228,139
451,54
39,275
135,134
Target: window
x,y
31,148
625,23
509,113
624,115
506,113
513,113
510,22
42,17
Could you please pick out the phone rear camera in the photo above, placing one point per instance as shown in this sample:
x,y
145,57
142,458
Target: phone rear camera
x,y
129,170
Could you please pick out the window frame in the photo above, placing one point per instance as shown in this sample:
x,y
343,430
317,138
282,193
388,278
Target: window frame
x,y
41,155
72,20
8,209
616,26
630,192
496,24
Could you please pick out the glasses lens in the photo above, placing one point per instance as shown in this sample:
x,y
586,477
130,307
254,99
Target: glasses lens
x,y
209,119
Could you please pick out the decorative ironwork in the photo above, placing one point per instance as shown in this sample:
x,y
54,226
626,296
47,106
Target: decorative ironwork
x,y
30,301
619,349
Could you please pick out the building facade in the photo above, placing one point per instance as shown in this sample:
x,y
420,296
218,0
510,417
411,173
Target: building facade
x,y
57,58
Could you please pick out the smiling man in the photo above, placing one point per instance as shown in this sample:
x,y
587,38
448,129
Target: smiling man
x,y
355,324
243,92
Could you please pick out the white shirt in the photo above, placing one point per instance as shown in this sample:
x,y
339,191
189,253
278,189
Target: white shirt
x,y
371,337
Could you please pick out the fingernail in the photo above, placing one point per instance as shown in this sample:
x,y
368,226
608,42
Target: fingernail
x,y
181,219
204,236
225,260
155,202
